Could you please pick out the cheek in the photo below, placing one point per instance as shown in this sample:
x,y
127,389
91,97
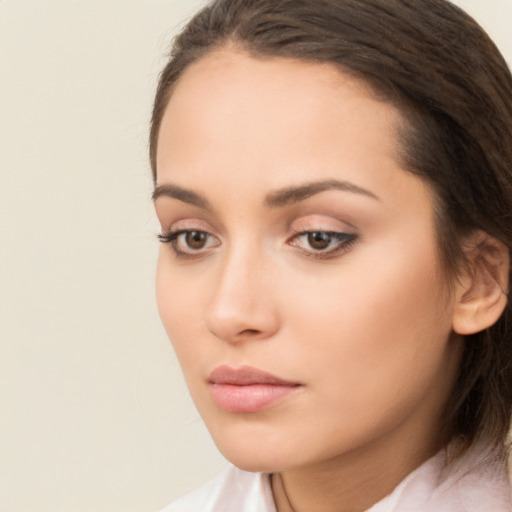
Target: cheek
x,y
374,322
180,306
372,344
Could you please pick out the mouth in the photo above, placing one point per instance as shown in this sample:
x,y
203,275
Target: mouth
x,y
247,389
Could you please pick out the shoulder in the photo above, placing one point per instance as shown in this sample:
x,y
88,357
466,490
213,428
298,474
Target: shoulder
x,y
475,482
233,490
481,482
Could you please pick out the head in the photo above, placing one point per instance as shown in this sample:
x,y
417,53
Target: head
x,y
436,80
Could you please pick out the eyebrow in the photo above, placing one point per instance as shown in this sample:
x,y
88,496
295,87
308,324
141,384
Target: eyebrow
x,y
294,195
182,194
277,199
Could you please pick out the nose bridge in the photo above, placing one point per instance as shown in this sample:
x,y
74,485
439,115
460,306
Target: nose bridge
x,y
242,304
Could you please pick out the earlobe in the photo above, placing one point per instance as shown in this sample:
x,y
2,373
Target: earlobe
x,y
482,290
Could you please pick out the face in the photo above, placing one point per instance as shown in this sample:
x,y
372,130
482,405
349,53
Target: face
x,y
299,278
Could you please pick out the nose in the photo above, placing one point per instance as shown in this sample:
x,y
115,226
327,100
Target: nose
x,y
243,306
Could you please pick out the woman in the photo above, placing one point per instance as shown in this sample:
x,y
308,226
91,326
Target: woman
x,y
333,181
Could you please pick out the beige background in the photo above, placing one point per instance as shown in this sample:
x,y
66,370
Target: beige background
x,y
94,415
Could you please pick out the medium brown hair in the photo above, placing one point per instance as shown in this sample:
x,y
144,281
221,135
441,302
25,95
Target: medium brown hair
x,y
437,65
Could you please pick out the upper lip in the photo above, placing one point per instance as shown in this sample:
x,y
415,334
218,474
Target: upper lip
x,y
245,376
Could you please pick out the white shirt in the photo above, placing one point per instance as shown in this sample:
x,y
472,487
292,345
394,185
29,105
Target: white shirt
x,y
477,482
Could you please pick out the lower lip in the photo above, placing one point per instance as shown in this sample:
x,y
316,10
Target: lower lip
x,y
249,398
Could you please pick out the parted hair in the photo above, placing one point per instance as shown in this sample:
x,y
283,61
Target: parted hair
x,y
443,72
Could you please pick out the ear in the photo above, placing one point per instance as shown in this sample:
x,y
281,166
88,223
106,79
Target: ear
x,y
482,288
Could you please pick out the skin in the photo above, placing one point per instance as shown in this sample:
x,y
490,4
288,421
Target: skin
x,y
366,330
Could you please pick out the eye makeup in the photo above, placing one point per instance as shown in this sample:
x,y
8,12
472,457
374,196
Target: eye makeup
x,y
313,235
189,243
320,244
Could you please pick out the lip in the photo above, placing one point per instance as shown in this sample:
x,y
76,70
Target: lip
x,y
247,389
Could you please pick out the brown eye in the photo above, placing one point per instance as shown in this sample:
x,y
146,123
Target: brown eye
x,y
320,240
323,244
196,239
190,243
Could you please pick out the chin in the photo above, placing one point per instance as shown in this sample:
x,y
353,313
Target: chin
x,y
256,461
258,449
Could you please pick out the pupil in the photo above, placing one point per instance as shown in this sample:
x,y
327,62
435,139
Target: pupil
x,y
196,239
319,240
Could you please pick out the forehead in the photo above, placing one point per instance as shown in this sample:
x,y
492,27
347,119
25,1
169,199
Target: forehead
x,y
233,78
230,64
231,98
240,126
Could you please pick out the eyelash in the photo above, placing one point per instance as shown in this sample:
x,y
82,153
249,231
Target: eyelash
x,y
172,237
342,243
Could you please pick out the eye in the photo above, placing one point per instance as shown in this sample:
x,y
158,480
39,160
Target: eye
x,y
195,239
320,240
189,242
322,244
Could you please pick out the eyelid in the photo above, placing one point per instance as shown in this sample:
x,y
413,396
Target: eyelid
x,y
171,236
343,235
343,242
186,224
318,222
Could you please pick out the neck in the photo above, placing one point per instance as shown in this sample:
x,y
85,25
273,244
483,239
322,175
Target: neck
x,y
354,481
